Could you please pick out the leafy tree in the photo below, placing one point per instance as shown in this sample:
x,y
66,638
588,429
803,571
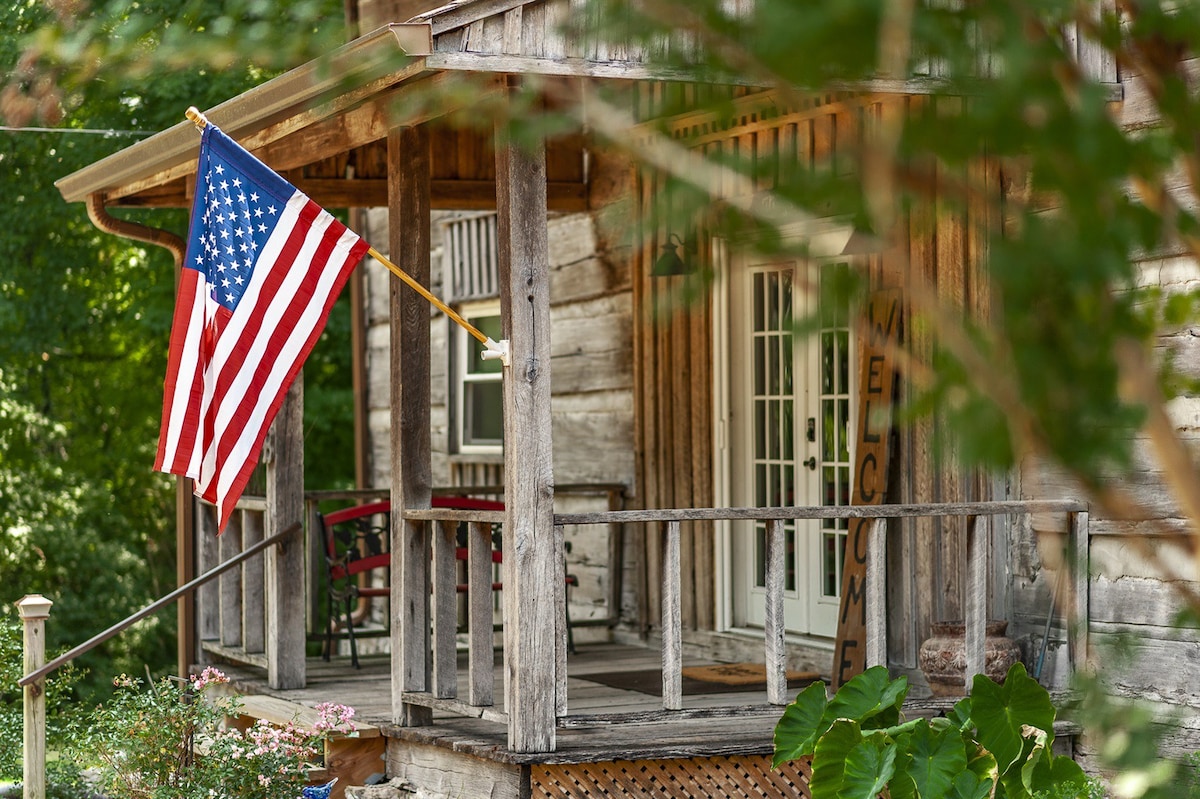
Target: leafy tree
x,y
1066,368
84,322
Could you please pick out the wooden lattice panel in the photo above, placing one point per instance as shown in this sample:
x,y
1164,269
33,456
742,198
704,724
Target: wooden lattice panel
x,y
749,777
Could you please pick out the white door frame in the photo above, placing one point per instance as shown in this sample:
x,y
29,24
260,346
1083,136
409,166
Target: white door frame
x,y
722,431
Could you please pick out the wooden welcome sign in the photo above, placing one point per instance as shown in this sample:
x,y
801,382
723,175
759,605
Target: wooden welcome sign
x,y
876,389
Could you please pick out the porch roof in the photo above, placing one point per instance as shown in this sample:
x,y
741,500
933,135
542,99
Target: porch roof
x,y
306,122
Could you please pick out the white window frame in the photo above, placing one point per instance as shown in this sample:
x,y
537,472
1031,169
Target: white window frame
x,y
466,351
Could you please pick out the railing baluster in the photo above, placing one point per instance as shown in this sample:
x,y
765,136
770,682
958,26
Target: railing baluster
x,y
254,622
560,624
314,545
410,618
208,597
672,640
230,583
481,652
876,578
773,622
977,586
445,611
1080,588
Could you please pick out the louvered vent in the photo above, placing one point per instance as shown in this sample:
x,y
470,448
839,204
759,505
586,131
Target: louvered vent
x,y
471,257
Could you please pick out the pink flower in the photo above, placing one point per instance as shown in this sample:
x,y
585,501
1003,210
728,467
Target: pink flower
x,y
210,676
332,716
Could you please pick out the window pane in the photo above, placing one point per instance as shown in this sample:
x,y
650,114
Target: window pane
x,y
827,430
829,570
772,301
759,314
760,365
827,362
760,429
483,412
489,326
843,430
788,358
789,571
787,434
843,345
760,556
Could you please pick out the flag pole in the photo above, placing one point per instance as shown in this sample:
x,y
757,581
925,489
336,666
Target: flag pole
x,y
493,350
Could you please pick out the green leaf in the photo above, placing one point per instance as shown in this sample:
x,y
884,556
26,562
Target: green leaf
x,y
1001,711
903,786
1065,771
960,714
798,729
870,698
968,785
869,767
937,758
980,761
830,756
1035,771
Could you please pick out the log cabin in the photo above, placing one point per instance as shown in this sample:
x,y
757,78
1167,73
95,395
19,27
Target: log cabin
x,y
695,468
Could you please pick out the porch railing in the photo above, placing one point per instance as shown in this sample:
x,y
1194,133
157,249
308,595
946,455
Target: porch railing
x,y
424,647
439,663
233,612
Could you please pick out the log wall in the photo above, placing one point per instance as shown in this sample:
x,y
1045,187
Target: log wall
x,y
591,389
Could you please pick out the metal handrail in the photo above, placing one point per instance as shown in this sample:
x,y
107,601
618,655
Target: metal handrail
x,y
157,605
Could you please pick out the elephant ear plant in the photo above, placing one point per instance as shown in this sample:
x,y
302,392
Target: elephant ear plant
x,y
995,743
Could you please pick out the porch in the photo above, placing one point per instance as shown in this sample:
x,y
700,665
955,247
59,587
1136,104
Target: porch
x,y
700,752
445,709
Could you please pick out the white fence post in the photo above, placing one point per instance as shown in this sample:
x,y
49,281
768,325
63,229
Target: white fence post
x,y
34,610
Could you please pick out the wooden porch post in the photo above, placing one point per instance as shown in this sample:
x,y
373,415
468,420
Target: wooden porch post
x,y
286,606
34,610
185,569
531,570
412,480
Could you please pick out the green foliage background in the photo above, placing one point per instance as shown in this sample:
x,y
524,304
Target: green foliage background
x,y
84,322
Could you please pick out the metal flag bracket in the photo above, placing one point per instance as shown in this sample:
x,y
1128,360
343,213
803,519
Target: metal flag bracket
x,y
495,351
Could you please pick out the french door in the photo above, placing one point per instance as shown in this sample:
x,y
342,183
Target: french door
x,y
791,397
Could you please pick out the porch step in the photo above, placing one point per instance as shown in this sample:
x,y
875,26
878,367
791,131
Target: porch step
x,y
353,758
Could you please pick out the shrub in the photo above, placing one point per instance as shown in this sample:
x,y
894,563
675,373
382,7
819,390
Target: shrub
x,y
169,740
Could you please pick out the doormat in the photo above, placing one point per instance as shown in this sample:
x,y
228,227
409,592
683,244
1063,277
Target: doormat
x,y
743,674
698,680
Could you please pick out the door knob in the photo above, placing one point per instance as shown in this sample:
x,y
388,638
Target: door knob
x,y
811,463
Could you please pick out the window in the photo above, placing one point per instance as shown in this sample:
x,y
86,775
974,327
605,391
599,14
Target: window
x,y
478,395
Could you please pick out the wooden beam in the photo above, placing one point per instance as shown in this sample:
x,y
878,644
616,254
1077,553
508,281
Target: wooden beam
x,y
449,195
529,558
461,195
369,122
408,245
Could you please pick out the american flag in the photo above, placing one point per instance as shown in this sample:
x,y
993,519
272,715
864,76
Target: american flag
x,y
264,265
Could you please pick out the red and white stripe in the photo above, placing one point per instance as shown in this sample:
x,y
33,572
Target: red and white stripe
x,y
240,364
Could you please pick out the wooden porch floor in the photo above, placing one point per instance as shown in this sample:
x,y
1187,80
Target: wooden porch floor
x,y
692,734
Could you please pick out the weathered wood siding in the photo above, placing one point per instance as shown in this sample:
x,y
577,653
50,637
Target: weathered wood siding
x,y
591,391
673,357
1141,569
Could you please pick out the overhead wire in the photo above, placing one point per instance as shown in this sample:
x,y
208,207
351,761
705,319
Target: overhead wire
x,y
85,131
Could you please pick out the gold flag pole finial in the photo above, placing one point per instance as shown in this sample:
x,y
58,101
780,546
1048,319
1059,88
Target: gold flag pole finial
x,y
193,113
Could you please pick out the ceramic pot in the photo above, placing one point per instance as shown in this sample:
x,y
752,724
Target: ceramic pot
x,y
943,657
